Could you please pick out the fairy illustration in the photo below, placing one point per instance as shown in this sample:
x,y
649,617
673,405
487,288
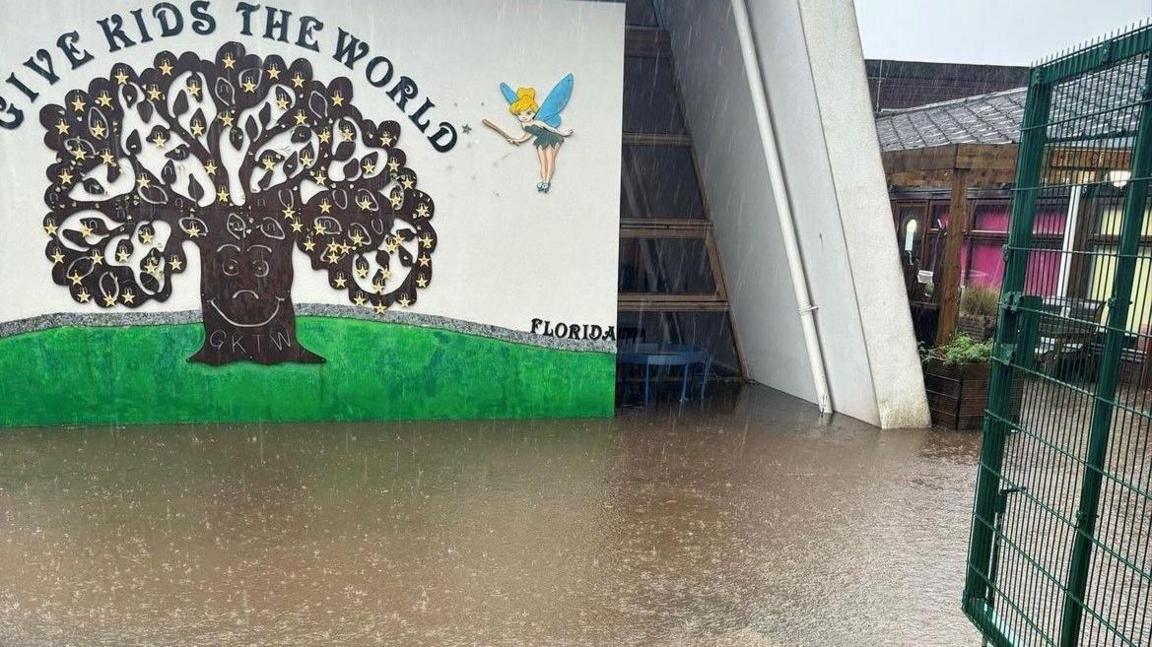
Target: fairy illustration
x,y
540,121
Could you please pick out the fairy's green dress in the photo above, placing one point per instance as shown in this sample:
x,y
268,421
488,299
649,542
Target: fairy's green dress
x,y
544,137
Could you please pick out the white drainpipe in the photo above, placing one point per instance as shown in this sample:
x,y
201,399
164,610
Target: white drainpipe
x,y
783,205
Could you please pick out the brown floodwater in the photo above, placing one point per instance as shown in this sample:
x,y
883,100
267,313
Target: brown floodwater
x,y
749,523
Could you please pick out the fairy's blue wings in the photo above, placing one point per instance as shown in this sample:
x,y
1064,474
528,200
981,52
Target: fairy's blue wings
x,y
557,99
509,93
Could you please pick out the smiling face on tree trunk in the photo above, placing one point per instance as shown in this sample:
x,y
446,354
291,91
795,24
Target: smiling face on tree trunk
x,y
244,158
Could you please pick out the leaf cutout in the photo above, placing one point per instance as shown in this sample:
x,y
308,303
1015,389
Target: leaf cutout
x,y
133,142
318,104
370,160
97,120
180,106
178,153
283,95
145,110
344,150
93,186
153,194
301,134
351,169
291,164
254,75
168,173
113,173
266,181
340,199
308,152
367,201
266,113
272,229
383,258
195,189
236,138
225,93
357,228
198,116
331,225
237,227
194,224
130,96
405,256
251,127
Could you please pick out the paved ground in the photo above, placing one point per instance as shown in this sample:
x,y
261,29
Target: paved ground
x,y
750,524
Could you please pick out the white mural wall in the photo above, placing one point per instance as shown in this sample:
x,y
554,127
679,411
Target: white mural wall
x,y
507,252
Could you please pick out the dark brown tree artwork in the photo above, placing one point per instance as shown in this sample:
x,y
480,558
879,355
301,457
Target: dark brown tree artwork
x,y
242,158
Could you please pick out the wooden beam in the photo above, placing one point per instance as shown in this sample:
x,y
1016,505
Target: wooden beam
x,y
959,222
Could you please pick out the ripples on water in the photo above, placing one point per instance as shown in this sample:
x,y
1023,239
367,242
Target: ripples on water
x,y
753,523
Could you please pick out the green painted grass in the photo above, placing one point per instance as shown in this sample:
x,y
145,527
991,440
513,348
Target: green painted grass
x,y
375,371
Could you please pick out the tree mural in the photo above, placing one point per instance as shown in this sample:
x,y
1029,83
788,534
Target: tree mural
x,y
244,158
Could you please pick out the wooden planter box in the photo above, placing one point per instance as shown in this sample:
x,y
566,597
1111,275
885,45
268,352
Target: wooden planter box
x,y
958,393
977,328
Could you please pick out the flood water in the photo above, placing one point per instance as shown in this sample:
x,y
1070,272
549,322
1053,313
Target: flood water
x,y
749,523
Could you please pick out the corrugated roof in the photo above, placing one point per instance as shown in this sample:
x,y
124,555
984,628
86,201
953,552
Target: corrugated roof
x,y
1103,106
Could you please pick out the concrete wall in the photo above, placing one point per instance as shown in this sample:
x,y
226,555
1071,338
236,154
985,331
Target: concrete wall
x,y
833,171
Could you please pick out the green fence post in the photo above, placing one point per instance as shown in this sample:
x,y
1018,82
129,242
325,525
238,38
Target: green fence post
x,y
1028,166
1080,565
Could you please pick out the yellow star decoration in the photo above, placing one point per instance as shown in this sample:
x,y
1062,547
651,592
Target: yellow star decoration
x,y
301,118
176,264
165,67
356,238
309,245
62,128
193,231
297,226
79,154
222,195
427,241
210,168
65,177
281,103
273,72
197,129
143,181
159,140
269,163
362,271
82,296
121,77
129,297
306,159
364,203
325,136
325,206
122,256
98,131
146,237
391,245
422,210
57,257
78,103
408,182
227,118
386,273
248,86
340,281
50,228
107,157
109,301
380,308
359,300
337,99
424,260
318,178
318,227
297,81
393,165
404,302
194,89
347,135
386,139
288,213
421,282
369,168
397,200
97,257
104,100
228,61
75,278
154,93
85,231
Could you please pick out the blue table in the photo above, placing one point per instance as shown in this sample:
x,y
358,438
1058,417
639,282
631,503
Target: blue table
x,y
650,354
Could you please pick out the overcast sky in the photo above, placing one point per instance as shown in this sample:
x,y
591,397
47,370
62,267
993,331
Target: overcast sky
x,y
1005,32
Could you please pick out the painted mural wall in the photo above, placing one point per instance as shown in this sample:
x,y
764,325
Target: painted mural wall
x,y
310,211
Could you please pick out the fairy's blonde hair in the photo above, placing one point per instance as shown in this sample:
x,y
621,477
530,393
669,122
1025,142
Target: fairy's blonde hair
x,y
525,100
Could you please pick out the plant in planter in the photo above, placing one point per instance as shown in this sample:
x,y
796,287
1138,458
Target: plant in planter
x,y
956,381
979,307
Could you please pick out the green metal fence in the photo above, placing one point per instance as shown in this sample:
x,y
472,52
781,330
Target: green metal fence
x,y
1061,543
